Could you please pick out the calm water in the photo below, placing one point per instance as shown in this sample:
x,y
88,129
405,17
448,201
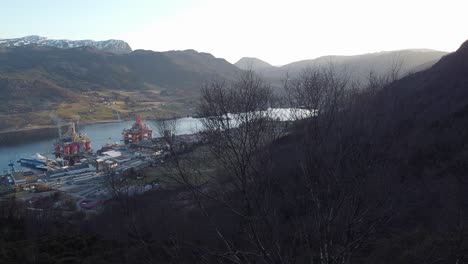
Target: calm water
x,y
100,134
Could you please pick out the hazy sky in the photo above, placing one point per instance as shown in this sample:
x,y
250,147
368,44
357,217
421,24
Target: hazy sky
x,y
275,31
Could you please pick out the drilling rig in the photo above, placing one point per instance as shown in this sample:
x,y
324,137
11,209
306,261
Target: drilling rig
x,y
72,146
138,132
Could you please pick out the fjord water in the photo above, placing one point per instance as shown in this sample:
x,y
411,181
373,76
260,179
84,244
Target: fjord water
x,y
100,134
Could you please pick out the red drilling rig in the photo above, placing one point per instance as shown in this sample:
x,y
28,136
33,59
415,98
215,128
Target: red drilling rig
x,y
138,132
72,146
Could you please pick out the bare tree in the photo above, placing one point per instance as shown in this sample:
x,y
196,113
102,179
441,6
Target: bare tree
x,y
167,128
337,168
327,211
238,125
376,82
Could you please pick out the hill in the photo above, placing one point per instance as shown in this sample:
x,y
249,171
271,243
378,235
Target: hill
x,y
424,116
40,78
249,63
86,68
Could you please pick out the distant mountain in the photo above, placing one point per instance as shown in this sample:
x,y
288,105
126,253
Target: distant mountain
x,y
249,63
39,77
378,62
359,66
112,45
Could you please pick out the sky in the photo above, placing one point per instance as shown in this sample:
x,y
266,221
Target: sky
x,y
278,32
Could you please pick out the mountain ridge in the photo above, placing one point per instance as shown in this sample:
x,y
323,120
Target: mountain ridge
x,y
111,45
358,67
40,80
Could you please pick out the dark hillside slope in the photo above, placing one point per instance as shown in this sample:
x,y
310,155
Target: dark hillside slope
x,y
429,110
438,91
428,120
400,156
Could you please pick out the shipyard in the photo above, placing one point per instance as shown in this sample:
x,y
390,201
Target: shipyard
x,y
82,171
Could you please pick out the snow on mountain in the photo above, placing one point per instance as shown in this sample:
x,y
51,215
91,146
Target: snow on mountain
x,y
112,45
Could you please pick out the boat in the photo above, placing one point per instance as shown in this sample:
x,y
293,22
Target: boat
x,y
37,161
31,162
